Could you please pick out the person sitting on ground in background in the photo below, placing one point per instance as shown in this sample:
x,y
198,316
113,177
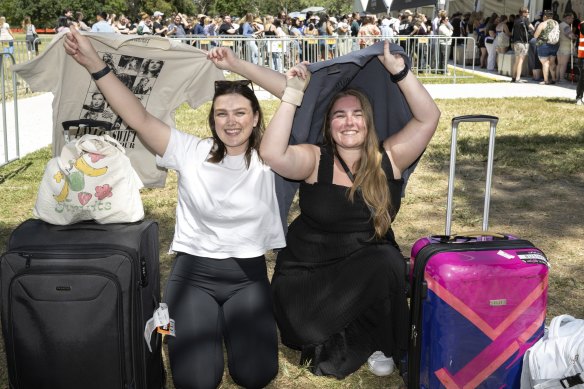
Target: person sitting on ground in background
x,y
522,27
102,24
227,217
546,48
566,49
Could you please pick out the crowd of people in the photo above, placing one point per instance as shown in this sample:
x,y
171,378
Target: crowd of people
x,y
306,37
548,41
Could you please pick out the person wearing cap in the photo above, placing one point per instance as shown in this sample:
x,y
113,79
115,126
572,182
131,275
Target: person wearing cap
x,y
101,25
157,26
406,27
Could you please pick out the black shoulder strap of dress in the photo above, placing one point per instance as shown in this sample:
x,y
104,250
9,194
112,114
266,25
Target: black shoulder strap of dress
x,y
386,162
346,168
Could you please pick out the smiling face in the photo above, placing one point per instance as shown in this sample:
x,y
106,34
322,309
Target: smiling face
x,y
234,122
348,127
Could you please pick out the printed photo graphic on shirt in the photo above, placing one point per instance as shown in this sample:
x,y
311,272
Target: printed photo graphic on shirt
x,y
151,67
130,65
139,75
143,86
127,79
94,106
111,60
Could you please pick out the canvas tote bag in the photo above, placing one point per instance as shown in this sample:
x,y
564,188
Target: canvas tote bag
x,y
92,179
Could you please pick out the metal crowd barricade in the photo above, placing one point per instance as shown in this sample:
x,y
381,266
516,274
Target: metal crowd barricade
x,y
6,62
430,57
437,56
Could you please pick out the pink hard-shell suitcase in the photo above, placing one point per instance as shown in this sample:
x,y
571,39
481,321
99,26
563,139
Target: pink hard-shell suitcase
x,y
478,300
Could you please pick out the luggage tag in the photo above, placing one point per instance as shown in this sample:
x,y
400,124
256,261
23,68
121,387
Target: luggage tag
x,y
160,321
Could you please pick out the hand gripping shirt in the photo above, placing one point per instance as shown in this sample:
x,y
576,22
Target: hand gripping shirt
x,y
162,73
224,209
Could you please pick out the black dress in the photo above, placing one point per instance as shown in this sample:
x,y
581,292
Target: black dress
x,y
339,293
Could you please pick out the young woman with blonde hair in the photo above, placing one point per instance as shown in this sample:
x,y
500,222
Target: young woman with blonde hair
x,y
339,285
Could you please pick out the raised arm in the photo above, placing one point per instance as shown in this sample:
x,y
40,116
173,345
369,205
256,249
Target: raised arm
x,y
153,132
272,81
296,162
408,144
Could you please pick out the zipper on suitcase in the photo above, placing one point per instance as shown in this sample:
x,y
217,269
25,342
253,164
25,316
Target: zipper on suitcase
x,y
422,258
80,270
82,252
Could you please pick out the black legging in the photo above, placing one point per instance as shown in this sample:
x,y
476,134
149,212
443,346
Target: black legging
x,y
212,300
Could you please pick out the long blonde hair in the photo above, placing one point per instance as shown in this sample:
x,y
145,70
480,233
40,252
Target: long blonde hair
x,y
370,178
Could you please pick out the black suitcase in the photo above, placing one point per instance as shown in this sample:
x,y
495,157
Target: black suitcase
x,y
75,300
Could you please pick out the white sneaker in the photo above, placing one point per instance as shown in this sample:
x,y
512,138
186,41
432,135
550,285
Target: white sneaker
x,y
579,102
380,365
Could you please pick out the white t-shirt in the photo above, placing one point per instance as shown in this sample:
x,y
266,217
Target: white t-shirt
x,y
175,73
224,209
5,34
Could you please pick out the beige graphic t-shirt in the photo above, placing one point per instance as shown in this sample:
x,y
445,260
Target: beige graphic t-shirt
x,y
162,73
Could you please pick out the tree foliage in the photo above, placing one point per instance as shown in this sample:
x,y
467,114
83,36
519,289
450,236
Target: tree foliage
x,y
44,13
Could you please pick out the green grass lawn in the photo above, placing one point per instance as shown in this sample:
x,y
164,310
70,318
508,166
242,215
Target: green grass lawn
x,y
537,189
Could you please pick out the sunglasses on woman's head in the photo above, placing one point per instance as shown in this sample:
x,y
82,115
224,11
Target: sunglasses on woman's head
x,y
225,84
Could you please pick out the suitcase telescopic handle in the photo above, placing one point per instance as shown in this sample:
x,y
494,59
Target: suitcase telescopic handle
x,y
106,126
490,158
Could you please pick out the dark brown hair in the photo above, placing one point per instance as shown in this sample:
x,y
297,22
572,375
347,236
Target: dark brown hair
x,y
240,88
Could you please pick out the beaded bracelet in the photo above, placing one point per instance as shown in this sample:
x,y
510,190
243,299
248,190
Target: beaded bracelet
x,y
401,75
97,75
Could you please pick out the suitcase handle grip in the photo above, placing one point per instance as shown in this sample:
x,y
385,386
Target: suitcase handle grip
x,y
81,226
469,236
105,126
491,156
